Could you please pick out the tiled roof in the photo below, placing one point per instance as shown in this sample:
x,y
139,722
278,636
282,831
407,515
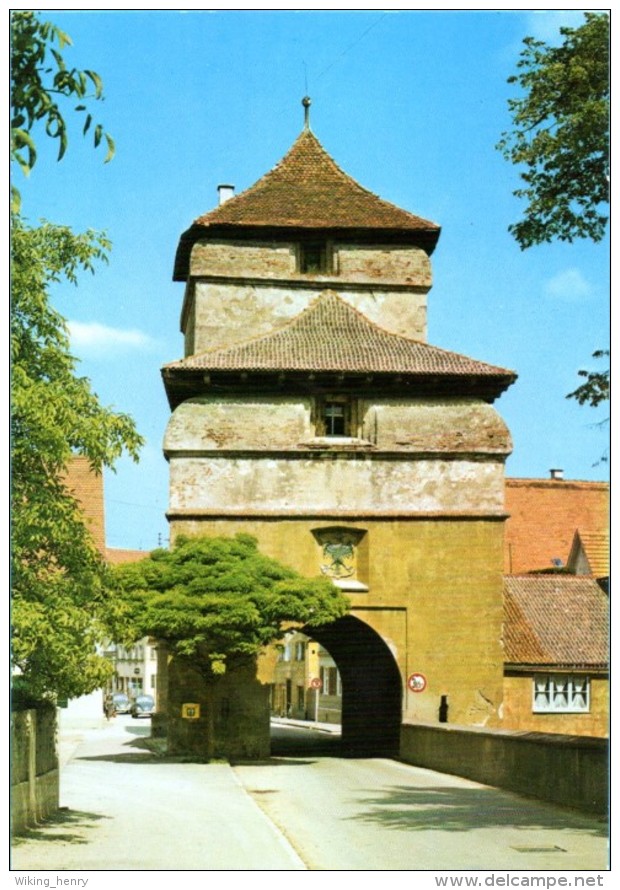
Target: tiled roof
x,y
595,548
330,335
555,620
87,487
544,515
307,190
117,555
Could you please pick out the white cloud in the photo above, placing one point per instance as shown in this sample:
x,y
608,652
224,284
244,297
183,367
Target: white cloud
x,y
569,286
99,340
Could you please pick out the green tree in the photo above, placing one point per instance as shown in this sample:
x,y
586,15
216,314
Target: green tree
x,y
216,603
60,604
40,80
61,607
595,389
219,600
560,135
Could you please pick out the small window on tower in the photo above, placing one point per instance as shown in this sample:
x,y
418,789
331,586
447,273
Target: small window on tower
x,y
313,258
334,418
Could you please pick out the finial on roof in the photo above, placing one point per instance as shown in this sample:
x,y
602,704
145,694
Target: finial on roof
x,y
306,102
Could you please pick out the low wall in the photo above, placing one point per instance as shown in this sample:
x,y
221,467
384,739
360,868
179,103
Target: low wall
x,y
34,767
567,770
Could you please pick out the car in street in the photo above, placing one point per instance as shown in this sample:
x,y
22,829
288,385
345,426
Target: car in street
x,y
121,703
143,706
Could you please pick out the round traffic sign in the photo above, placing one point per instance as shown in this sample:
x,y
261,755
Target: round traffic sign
x,y
315,683
416,682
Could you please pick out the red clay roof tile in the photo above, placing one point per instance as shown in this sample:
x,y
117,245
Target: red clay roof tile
x,y
544,515
555,620
331,335
307,190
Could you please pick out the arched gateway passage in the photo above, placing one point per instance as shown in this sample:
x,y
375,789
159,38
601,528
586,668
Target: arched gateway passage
x,y
371,686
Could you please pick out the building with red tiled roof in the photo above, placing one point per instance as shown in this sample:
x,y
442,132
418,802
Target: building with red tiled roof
x,y
589,554
556,651
543,517
86,485
135,667
332,337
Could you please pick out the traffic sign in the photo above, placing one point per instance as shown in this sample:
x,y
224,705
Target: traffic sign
x,y
315,683
416,682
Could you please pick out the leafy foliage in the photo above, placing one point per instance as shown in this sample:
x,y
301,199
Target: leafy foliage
x,y
61,607
596,388
219,599
60,603
561,135
40,79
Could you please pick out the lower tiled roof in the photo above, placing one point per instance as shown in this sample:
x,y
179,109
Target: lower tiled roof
x,y
331,335
555,620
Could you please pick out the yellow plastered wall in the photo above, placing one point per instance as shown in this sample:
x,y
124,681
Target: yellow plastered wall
x,y
434,595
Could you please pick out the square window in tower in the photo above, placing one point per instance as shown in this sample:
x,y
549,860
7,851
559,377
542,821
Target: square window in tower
x,y
313,258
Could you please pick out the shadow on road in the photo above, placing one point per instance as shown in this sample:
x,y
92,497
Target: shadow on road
x,y
51,828
451,809
144,731
141,750
292,745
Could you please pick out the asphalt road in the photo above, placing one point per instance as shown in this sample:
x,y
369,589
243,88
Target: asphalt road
x,y
126,808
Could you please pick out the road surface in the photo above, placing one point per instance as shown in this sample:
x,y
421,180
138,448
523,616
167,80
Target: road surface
x,y
126,808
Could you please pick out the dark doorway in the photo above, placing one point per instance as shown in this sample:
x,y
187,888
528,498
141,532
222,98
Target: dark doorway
x,y
371,687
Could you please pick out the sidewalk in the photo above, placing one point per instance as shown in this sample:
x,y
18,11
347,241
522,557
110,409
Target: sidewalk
x,y
124,807
333,728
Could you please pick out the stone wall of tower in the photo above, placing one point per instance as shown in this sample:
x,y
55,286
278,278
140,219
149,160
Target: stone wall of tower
x,y
242,289
421,490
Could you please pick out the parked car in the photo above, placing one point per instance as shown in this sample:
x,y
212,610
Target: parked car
x,y
121,703
143,706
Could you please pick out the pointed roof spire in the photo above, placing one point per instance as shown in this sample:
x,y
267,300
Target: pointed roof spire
x,y
306,102
307,190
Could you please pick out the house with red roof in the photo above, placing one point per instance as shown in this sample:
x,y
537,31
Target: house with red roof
x,y
556,654
556,607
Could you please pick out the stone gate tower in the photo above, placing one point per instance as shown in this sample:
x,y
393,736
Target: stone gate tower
x,y
310,412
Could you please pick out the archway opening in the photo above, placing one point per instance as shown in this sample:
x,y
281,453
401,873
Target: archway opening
x,y
368,687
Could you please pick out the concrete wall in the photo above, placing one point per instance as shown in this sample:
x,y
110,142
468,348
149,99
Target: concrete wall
x,y
34,767
287,422
357,263
567,770
517,710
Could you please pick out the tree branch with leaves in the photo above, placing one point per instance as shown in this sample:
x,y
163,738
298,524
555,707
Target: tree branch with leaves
x,y
61,606
560,135
40,81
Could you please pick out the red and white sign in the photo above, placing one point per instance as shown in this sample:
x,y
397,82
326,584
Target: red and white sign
x,y
315,683
416,682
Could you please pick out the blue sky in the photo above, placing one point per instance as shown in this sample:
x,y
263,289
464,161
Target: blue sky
x,y
411,104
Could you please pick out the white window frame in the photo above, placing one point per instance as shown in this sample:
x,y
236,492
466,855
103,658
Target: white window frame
x,y
561,694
